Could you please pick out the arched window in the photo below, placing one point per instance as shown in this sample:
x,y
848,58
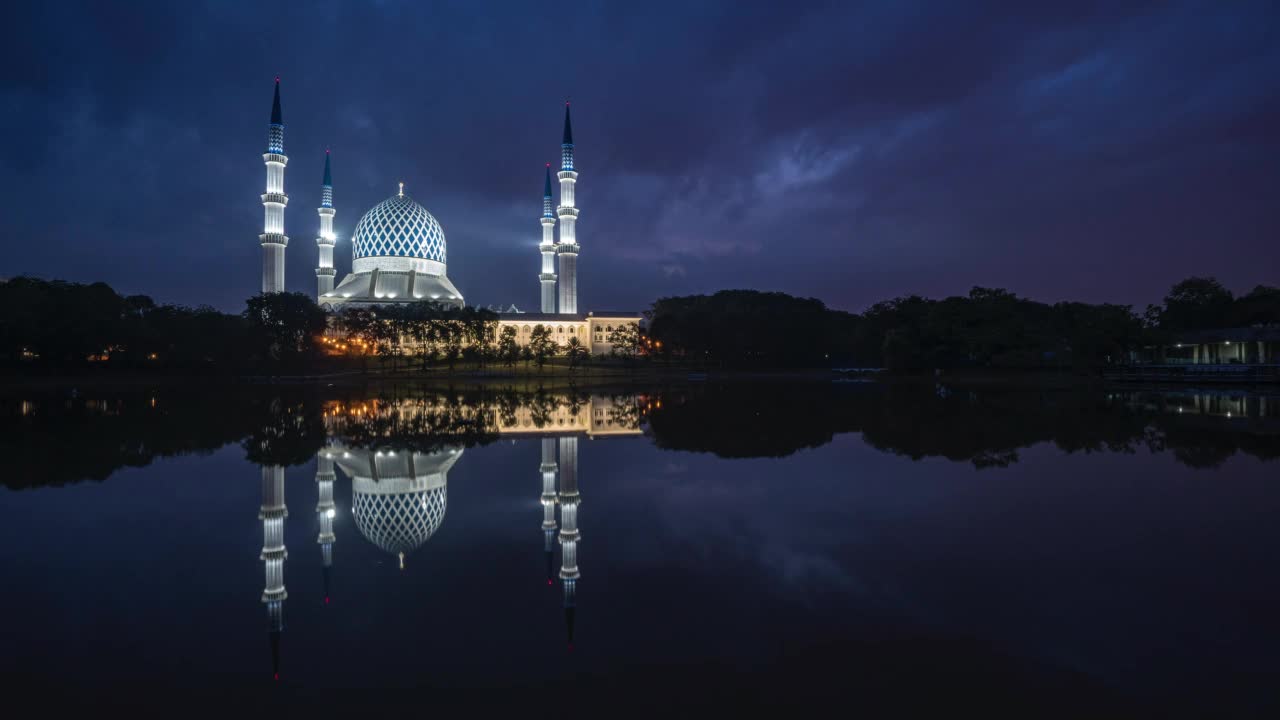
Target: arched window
x,y
525,330
560,329
609,329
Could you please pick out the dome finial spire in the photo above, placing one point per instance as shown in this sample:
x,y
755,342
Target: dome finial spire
x,y
401,188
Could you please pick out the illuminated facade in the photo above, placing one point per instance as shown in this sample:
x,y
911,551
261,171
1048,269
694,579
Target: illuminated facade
x,y
398,252
397,256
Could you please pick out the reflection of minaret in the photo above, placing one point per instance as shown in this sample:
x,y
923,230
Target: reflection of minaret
x,y
325,511
272,514
548,469
569,527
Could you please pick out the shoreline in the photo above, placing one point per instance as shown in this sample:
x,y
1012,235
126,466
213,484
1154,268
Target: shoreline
x,y
557,378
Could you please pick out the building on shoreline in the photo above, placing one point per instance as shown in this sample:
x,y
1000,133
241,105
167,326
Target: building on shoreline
x,y
1223,346
399,252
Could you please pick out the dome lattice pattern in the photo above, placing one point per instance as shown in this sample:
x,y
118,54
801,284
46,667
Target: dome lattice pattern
x,y
399,227
400,522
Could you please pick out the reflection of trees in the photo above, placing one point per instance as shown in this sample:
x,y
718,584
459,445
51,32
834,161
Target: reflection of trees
x,y
985,428
56,439
426,422
624,411
286,431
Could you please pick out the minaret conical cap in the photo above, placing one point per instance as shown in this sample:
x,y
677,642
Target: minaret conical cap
x,y
328,179
277,118
546,189
568,126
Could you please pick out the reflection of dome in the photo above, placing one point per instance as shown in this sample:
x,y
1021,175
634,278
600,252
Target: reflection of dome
x,y
398,499
399,522
398,227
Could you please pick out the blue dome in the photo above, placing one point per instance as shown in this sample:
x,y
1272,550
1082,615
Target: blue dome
x,y
398,227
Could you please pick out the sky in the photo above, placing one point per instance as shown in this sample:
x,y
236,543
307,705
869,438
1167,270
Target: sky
x,y
852,152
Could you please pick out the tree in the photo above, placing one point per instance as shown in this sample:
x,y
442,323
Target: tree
x,y
625,339
541,346
576,353
285,325
508,348
1197,303
1261,306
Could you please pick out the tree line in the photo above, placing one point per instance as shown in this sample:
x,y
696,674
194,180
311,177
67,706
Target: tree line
x,y
988,328
61,325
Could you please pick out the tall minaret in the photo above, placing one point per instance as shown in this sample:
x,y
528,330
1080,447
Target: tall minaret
x,y
273,201
548,470
548,249
324,269
325,511
567,249
569,528
272,513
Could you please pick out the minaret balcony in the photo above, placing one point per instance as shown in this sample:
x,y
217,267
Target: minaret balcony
x,y
568,248
547,277
326,211
274,239
322,240
277,198
326,272
275,158
569,175
567,211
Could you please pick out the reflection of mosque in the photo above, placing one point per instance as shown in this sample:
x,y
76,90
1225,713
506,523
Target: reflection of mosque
x,y
399,498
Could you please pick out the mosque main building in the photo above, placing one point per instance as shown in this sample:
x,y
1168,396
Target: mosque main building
x,y
398,252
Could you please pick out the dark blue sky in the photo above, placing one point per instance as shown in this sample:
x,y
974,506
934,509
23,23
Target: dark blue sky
x,y
848,151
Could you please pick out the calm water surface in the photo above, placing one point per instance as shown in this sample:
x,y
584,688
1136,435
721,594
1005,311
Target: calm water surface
x,y
1046,553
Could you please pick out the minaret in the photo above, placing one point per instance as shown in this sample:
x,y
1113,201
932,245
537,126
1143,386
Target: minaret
x,y
325,512
548,469
569,528
548,249
567,249
324,269
273,202
272,514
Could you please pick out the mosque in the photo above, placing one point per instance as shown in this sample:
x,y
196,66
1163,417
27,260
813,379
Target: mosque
x,y
399,253
399,498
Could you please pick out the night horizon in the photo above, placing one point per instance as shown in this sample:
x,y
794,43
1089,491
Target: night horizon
x,y
1091,155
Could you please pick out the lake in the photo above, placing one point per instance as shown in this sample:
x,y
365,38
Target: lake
x,y
676,549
